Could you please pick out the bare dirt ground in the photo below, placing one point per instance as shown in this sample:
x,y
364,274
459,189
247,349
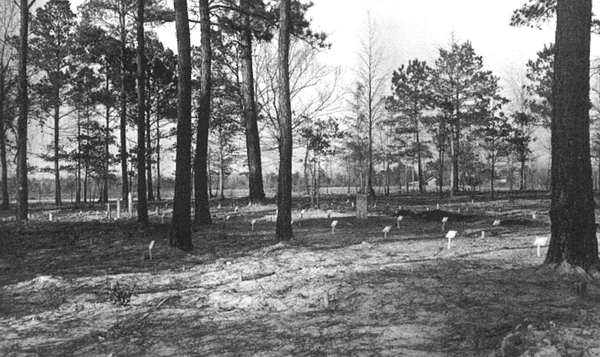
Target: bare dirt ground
x,y
84,285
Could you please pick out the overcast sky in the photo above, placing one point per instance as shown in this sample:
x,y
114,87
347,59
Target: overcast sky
x,y
416,29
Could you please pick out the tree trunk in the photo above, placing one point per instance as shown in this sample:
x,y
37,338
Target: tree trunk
x,y
78,161
57,193
202,212
283,229
158,197
255,181
419,162
142,206
573,228
181,233
149,181
493,174
22,181
5,204
455,154
123,116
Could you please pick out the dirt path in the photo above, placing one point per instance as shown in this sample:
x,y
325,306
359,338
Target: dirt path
x,y
355,293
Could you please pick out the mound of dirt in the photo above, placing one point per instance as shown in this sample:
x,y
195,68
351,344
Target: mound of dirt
x,y
438,215
519,222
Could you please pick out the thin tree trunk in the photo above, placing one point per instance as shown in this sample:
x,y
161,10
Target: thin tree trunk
x,y
573,229
455,154
158,179
5,204
181,233
22,181
255,181
202,212
123,116
142,206
78,161
57,193
149,181
283,229
419,162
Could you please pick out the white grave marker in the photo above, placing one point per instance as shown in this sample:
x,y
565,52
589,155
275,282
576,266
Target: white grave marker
x,y
437,206
236,209
496,223
386,230
253,222
302,213
539,242
482,234
450,236
444,220
398,220
118,209
219,206
333,224
150,249
50,217
108,210
328,213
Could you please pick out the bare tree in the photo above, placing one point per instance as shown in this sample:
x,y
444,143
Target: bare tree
x,y
255,180
8,28
372,76
22,180
573,228
181,233
283,229
142,208
202,212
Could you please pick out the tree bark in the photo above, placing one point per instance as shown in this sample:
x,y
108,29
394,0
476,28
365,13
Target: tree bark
x,y
123,114
283,229
181,233
4,205
22,180
202,204
149,181
57,193
255,180
573,228
142,206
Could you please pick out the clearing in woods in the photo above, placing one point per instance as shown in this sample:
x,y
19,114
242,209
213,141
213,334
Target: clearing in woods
x,y
84,285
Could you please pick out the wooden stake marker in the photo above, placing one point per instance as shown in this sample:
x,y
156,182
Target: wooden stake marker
x,y
539,242
253,222
333,224
50,217
386,230
482,234
450,235
118,209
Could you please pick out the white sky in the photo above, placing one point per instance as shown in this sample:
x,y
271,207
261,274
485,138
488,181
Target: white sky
x,y
416,29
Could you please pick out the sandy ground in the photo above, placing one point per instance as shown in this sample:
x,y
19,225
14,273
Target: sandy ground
x,y
83,285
